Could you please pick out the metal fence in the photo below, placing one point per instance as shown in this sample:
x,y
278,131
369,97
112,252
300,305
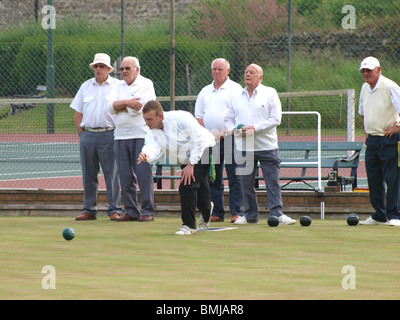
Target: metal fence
x,y
302,45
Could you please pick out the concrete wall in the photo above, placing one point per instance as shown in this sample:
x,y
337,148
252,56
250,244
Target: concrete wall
x,y
69,203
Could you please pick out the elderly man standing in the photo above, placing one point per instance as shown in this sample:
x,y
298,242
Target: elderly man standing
x,y
258,108
379,108
211,106
126,103
95,126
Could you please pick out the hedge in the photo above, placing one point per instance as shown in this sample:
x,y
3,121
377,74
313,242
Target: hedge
x,y
26,61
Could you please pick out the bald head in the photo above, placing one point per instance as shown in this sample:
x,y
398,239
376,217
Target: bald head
x,y
257,68
253,76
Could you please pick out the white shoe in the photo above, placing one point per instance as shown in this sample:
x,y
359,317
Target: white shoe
x,y
203,226
284,219
370,221
185,230
241,220
394,222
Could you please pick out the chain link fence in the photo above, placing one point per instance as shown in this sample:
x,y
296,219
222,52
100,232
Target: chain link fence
x,y
302,45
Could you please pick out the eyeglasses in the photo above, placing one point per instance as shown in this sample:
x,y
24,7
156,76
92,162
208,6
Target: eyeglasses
x,y
126,68
101,66
366,71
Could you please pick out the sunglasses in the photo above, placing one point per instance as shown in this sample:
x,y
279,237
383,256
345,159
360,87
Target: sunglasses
x,y
366,71
101,66
126,68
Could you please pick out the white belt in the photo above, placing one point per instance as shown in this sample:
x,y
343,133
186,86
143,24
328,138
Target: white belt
x,y
99,129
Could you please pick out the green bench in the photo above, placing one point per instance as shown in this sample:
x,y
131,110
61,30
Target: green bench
x,y
334,155
303,156
158,176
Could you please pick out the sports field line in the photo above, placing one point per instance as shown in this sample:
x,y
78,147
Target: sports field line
x,y
39,172
31,159
59,183
39,137
15,144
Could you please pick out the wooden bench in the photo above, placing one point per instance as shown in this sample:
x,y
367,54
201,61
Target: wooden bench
x,y
303,156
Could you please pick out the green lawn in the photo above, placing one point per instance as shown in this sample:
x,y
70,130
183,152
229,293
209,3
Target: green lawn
x,y
110,260
34,120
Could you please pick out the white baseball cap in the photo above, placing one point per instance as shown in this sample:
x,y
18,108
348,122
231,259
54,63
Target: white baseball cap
x,y
102,58
369,63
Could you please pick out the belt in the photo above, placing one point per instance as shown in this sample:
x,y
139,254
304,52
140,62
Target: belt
x,y
99,129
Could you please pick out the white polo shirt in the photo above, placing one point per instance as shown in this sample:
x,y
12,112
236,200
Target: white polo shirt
x,y
131,125
212,104
92,101
263,111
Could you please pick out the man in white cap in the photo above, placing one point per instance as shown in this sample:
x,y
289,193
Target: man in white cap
x,y
95,126
379,108
126,104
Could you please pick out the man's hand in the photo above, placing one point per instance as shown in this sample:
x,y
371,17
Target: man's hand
x,y
133,103
142,157
187,174
219,135
243,131
248,131
78,119
122,105
389,132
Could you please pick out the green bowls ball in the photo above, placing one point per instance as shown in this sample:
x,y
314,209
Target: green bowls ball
x,y
68,233
238,129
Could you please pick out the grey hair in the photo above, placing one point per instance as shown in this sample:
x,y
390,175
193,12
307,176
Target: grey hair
x,y
228,66
134,60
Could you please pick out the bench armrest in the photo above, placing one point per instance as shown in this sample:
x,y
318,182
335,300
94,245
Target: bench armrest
x,y
353,157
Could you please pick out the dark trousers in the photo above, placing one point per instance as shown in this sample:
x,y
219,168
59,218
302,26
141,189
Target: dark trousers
x,y
224,156
381,162
196,194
